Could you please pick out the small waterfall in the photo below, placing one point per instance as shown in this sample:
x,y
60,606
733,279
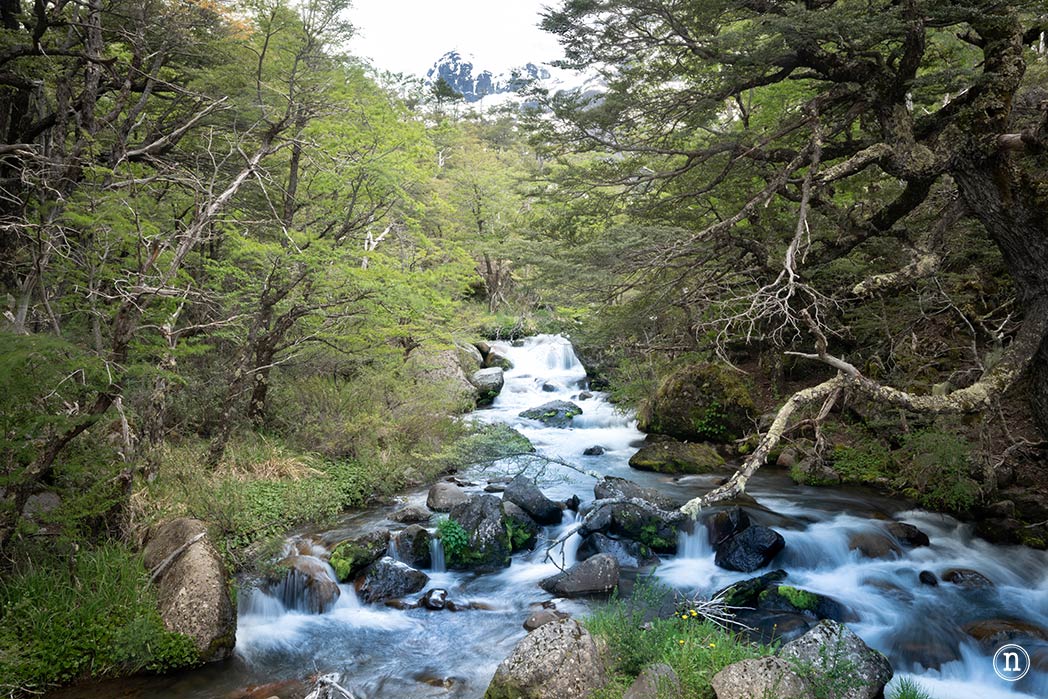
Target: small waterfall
x,y
436,555
391,549
309,586
694,544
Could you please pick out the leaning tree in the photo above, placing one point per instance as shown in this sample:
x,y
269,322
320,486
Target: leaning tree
x,y
858,118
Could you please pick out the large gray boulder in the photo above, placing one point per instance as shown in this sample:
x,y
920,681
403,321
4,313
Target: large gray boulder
x,y
654,528
832,650
193,596
488,383
558,413
389,579
760,677
614,487
523,492
489,545
557,660
445,367
594,575
443,496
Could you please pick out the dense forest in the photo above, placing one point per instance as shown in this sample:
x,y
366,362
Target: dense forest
x,y
240,268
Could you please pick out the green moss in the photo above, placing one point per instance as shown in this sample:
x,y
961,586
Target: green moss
x,y
801,599
677,457
700,402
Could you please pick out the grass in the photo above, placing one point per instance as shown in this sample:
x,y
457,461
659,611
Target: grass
x,y
92,613
906,688
696,649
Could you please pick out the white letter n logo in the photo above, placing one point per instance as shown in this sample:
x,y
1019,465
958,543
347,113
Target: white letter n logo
x,y
1011,662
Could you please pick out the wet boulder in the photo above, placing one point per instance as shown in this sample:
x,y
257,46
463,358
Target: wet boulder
x,y
523,492
495,358
523,530
967,578
412,546
745,593
874,544
832,644
908,534
674,457
750,549
349,558
411,514
489,544
595,450
787,598
721,526
612,487
191,586
488,383
443,496
558,660
993,633
388,578
702,402
760,677
595,575
928,578
629,554
307,585
558,413
654,528
434,599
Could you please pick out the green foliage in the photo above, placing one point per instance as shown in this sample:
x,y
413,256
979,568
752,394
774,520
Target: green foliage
x,y
906,688
696,649
936,468
865,462
92,614
801,599
455,541
832,676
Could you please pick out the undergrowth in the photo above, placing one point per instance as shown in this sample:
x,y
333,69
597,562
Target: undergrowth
x,y
696,649
92,613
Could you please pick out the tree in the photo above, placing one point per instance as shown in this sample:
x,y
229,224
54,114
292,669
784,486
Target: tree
x,y
741,114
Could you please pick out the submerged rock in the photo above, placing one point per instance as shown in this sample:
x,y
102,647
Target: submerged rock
x,y
306,586
908,534
595,450
388,579
556,661
558,413
435,599
677,458
967,578
873,544
721,526
593,576
523,492
443,496
192,593
928,578
750,549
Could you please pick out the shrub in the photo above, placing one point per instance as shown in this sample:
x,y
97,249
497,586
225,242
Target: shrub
x,y
94,614
906,688
696,649
455,541
936,470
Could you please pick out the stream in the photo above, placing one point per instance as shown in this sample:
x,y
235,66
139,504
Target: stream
x,y
414,653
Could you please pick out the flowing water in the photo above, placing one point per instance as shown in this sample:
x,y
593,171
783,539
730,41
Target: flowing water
x,y
385,652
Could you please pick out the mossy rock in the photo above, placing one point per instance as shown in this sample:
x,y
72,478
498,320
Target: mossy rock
x,y
677,457
350,558
703,402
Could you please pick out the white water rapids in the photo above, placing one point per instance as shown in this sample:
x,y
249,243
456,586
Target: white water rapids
x,y
380,652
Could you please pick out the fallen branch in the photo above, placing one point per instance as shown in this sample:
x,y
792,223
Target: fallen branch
x,y
166,563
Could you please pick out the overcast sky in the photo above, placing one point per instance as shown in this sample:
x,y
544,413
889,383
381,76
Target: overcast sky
x,y
408,36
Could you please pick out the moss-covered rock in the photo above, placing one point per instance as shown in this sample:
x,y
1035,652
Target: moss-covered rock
x,y
671,456
703,402
349,558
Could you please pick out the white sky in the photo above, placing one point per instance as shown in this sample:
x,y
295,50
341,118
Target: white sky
x,y
408,36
